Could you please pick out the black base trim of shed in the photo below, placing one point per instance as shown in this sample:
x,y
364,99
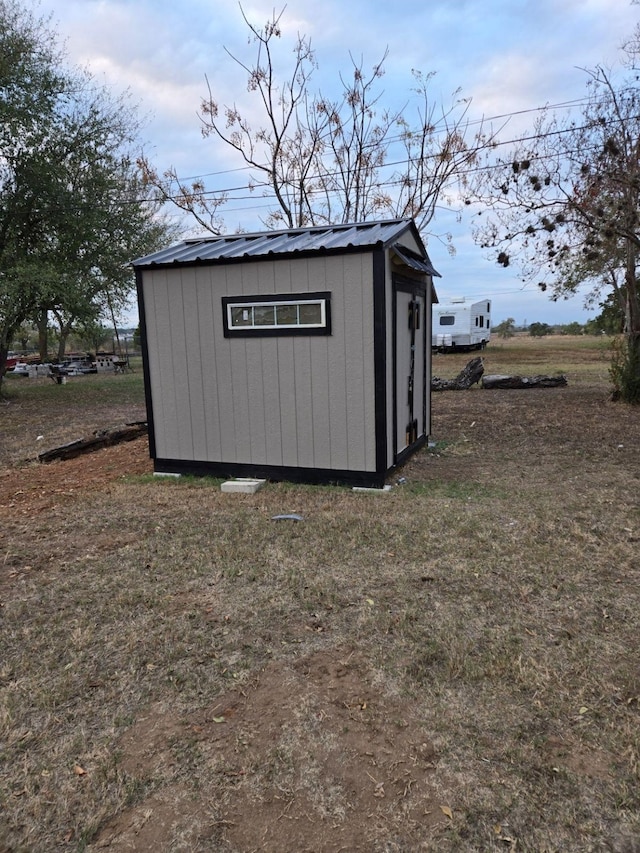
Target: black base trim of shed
x,y
318,476
404,455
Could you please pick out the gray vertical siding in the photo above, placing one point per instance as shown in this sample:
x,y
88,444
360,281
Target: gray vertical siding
x,y
391,411
429,356
291,401
391,414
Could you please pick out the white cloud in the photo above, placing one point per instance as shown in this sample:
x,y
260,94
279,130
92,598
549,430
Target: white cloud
x,y
509,56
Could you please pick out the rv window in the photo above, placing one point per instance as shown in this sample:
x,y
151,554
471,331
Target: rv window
x,y
447,320
482,322
286,314
488,309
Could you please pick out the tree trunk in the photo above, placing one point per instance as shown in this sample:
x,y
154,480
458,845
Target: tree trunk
x,y
4,351
633,329
98,440
625,368
5,340
467,377
43,335
497,381
62,345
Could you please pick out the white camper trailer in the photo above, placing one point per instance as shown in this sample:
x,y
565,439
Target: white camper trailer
x,y
461,325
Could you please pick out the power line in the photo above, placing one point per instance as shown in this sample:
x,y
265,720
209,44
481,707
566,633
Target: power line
x,y
203,194
471,122
390,182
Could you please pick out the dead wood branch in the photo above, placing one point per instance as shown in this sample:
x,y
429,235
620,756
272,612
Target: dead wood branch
x,y
468,376
541,381
102,438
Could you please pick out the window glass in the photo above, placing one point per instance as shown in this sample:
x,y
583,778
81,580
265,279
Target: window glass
x,y
264,315
286,315
294,314
310,314
447,320
242,316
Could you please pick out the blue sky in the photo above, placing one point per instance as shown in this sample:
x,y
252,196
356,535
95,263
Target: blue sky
x,y
508,56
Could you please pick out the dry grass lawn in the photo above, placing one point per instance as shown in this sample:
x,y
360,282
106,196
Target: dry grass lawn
x,y
452,666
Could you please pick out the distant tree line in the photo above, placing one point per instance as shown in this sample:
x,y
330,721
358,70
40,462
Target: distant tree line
x,y
94,338
600,325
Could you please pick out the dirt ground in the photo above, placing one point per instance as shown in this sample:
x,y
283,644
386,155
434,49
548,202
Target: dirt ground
x,y
386,775
35,487
372,744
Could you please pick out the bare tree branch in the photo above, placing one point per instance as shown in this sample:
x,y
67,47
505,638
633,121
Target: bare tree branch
x,y
565,205
325,160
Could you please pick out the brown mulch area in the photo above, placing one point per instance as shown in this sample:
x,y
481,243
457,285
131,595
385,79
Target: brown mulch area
x,y
36,487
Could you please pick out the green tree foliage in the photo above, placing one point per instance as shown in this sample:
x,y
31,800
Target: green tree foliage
x,y
92,336
565,204
505,329
72,206
29,86
574,328
325,161
540,330
611,318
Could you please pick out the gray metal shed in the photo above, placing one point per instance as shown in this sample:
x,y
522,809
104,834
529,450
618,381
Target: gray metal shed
x,y
299,355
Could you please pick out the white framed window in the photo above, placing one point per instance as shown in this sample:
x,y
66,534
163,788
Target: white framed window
x,y
277,315
282,314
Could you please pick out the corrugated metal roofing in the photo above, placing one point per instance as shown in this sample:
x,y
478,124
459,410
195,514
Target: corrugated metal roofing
x,y
279,243
415,261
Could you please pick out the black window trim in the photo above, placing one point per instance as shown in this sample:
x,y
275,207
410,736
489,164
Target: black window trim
x,y
274,298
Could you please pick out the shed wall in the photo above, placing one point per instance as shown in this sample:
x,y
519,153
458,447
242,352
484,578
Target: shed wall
x,y
392,267
279,401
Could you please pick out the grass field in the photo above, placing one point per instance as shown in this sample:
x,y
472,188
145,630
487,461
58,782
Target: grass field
x,y
452,666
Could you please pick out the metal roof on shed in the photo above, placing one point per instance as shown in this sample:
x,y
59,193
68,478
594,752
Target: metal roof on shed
x,y
326,238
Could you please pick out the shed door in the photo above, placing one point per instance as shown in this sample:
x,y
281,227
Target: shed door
x,y
410,363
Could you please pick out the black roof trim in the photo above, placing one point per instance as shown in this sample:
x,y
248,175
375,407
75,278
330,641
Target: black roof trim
x,y
413,260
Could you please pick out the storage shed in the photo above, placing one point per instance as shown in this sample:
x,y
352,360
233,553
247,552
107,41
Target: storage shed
x,y
300,355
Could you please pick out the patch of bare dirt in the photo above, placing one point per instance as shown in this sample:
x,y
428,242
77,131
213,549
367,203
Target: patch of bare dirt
x,y
147,827
36,487
530,430
311,756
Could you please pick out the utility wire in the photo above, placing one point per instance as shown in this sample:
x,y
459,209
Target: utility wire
x,y
471,122
389,183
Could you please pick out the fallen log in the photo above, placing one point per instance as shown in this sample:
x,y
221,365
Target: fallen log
x,y
541,381
468,376
99,439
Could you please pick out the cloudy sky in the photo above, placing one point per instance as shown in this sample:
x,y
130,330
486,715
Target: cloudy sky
x,y
508,56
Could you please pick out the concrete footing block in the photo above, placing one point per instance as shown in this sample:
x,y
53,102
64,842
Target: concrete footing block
x,y
243,485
